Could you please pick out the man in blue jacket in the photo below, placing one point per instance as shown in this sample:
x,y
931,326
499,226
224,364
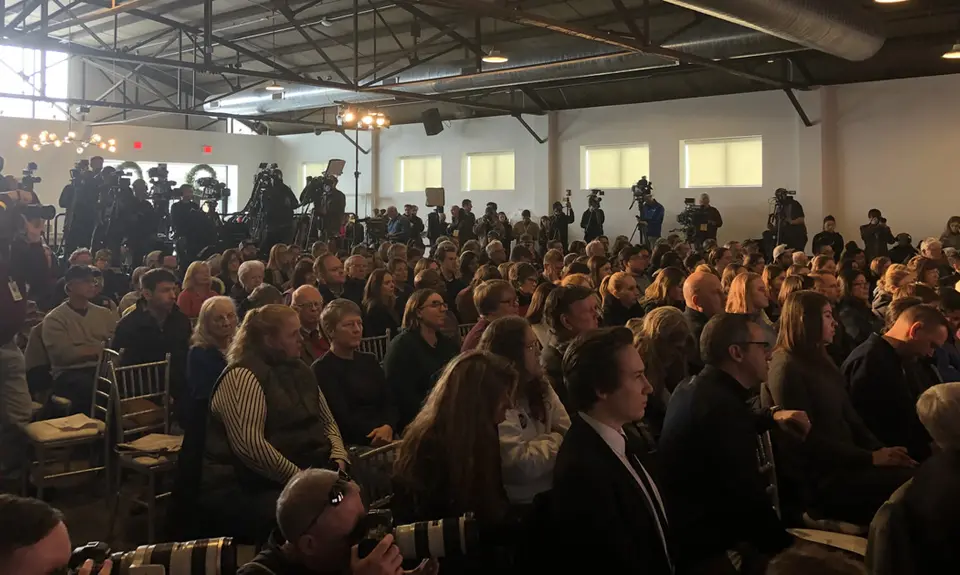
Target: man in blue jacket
x,y
652,212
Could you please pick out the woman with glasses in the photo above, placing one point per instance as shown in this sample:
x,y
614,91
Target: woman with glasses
x,y
524,278
449,462
197,288
418,353
853,309
380,305
842,470
748,295
352,381
621,300
494,299
268,420
534,426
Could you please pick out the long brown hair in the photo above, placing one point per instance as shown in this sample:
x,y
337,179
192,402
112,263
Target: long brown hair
x,y
373,294
596,263
539,302
257,325
277,252
452,447
659,290
225,261
664,341
738,300
411,321
505,337
801,326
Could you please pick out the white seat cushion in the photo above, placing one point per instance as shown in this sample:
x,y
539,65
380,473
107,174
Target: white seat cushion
x,y
64,428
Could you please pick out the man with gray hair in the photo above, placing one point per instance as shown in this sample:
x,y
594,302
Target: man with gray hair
x,y
308,303
496,252
357,272
317,513
596,248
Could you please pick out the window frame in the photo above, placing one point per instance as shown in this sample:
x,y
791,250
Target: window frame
x,y
466,170
399,172
585,164
685,164
15,64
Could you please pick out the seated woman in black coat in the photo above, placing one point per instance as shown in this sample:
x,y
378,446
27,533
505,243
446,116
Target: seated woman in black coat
x,y
250,277
666,289
853,309
352,381
620,299
380,305
842,471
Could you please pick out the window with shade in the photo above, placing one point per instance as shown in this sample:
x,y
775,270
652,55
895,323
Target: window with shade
x,y
417,173
489,172
722,163
613,167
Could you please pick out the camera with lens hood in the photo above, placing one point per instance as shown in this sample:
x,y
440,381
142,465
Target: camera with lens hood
x,y
450,537
200,557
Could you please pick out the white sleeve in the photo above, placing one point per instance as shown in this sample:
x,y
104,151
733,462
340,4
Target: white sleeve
x,y
240,403
525,459
557,415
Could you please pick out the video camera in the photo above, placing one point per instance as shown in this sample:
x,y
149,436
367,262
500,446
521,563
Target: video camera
x,y
450,537
219,556
268,175
687,218
595,197
642,188
28,179
80,172
212,189
782,194
161,187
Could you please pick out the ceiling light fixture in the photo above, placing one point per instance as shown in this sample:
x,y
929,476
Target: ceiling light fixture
x,y
889,1
274,87
495,57
953,53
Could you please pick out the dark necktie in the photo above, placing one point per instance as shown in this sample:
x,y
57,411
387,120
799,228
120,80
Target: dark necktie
x,y
651,494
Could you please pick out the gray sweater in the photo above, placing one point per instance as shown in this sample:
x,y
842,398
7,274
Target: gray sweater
x,y
66,332
838,437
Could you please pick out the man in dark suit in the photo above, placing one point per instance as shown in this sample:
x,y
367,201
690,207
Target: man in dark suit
x,y
605,510
715,492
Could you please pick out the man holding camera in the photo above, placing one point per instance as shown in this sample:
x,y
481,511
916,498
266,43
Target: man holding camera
x,y
706,221
318,515
790,218
81,198
876,236
559,222
592,219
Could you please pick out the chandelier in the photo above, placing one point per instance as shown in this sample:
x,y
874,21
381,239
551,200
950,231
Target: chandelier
x,y
46,138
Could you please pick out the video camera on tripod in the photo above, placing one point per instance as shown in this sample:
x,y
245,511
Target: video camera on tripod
x,y
267,176
642,188
212,189
688,218
161,187
14,213
595,197
28,179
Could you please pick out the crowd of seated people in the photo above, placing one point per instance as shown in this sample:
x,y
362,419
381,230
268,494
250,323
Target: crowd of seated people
x,y
638,444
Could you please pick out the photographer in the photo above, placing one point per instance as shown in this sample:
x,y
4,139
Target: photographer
x,y
651,212
789,221
706,221
489,223
559,222
143,223
593,218
81,198
317,514
279,202
876,235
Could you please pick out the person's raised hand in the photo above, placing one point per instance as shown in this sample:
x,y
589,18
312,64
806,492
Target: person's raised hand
x,y
385,559
380,436
795,423
87,568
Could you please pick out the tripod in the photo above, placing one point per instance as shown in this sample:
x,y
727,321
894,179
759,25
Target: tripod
x,y
640,228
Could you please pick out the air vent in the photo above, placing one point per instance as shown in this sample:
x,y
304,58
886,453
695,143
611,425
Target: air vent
x,y
277,95
213,105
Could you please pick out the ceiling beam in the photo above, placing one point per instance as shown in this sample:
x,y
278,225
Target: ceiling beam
x,y
107,12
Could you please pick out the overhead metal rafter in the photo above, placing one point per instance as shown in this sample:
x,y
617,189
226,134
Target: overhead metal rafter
x,y
109,11
440,25
527,19
291,18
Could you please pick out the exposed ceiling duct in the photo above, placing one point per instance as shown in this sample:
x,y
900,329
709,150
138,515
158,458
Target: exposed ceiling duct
x,y
838,27
714,39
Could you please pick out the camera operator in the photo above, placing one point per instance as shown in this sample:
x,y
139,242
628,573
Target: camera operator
x,y
81,198
279,202
465,222
23,263
593,218
789,223
876,235
651,212
34,539
143,223
706,221
317,515
398,226
490,222
436,225
560,221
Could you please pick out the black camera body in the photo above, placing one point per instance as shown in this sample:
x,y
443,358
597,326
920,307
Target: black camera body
x,y
691,211
643,187
161,186
448,537
595,197
212,189
80,172
28,179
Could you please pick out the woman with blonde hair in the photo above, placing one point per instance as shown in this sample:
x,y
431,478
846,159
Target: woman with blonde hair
x,y
731,271
896,276
797,270
278,266
621,299
748,295
535,424
449,463
419,351
793,284
246,463
666,290
582,280
197,288
666,344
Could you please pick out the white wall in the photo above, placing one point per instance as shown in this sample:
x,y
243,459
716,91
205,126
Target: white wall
x,y
897,150
462,137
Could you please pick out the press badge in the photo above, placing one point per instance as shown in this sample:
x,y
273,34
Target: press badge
x,y
15,291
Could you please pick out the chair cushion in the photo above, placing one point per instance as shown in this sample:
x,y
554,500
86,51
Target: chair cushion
x,y
64,428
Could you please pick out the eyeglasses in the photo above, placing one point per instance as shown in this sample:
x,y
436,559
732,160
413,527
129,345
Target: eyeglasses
x,y
338,492
311,305
764,344
435,305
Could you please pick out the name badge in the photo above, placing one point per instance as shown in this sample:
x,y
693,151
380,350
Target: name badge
x,y
703,227
15,291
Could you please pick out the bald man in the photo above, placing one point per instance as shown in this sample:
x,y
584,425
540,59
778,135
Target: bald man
x,y
357,273
308,303
704,298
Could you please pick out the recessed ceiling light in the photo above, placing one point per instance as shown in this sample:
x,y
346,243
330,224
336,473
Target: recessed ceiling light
x,y
274,87
495,57
953,53
889,1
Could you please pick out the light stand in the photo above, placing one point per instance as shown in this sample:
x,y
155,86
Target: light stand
x,y
356,190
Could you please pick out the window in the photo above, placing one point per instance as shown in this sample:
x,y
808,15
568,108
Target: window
x,y
490,172
226,174
722,163
312,170
237,127
613,167
20,73
416,174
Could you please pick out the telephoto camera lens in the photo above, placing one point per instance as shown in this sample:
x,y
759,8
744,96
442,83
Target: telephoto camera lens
x,y
450,537
200,557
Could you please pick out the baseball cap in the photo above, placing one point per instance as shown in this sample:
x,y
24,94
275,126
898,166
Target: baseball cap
x,y
781,250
